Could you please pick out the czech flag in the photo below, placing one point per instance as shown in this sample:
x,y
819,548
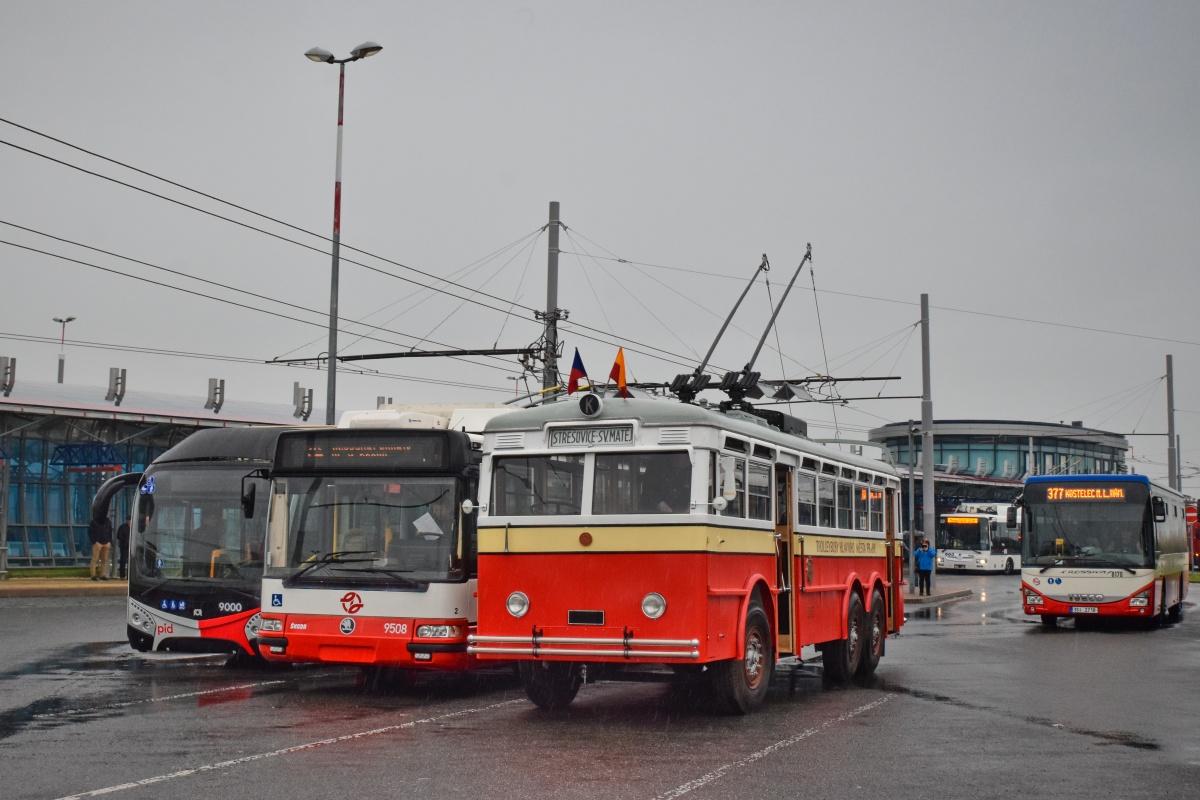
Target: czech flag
x,y
618,374
577,373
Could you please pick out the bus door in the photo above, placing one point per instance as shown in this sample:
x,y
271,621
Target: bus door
x,y
785,558
895,569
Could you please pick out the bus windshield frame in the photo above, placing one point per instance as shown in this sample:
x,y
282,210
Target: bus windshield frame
x,y
190,528
1085,527
402,531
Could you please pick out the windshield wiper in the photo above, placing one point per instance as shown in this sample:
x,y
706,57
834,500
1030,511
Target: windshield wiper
x,y
336,557
1101,562
1058,563
397,574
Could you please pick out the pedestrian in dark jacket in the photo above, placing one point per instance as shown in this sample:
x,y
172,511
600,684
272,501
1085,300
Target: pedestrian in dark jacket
x,y
122,548
926,557
101,533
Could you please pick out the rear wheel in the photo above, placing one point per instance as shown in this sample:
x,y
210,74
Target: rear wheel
x,y
740,684
551,685
841,659
1049,621
875,633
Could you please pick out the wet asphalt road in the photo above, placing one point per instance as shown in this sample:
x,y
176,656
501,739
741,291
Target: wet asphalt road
x,y
972,700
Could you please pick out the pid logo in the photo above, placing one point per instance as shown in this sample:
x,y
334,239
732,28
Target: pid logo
x,y
352,602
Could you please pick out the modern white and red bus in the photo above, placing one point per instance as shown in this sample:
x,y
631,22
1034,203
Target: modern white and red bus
x,y
647,532
370,555
975,538
1103,546
195,563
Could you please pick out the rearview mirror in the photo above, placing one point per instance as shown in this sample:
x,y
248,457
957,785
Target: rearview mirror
x,y
249,492
719,504
727,467
1010,517
1160,509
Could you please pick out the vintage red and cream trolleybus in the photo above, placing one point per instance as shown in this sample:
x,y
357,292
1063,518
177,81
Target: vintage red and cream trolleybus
x,y
652,532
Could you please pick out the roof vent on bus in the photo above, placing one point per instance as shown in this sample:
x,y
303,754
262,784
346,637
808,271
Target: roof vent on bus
x,y
507,440
674,436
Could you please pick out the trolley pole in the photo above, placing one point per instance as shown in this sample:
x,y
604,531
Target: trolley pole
x,y
929,510
1172,445
552,314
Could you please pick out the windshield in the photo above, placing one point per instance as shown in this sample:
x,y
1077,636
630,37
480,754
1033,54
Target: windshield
x,y
190,526
537,485
963,533
1088,524
363,528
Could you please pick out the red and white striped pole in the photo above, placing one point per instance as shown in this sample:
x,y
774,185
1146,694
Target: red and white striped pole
x,y
331,383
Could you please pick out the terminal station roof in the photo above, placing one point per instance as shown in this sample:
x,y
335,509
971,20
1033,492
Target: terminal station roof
x,y
1009,428
88,402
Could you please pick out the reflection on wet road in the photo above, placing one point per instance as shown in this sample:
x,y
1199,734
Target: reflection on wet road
x,y
971,697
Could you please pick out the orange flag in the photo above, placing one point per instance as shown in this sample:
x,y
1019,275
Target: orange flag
x,y
617,373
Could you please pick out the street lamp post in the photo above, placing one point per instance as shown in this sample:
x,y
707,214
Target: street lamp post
x,y
62,338
325,57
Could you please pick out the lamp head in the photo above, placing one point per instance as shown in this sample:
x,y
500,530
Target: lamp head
x,y
319,55
365,50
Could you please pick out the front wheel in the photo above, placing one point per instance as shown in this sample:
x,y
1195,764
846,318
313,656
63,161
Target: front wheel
x,y
551,685
875,631
841,659
139,641
739,685
1049,621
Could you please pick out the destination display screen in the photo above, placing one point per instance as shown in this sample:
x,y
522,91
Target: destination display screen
x,y
962,520
591,436
349,451
1075,493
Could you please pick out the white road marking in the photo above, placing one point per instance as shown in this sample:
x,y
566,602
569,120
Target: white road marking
x,y
72,711
234,762
720,772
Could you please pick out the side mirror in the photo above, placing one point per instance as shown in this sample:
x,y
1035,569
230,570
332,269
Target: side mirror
x,y
249,493
1160,509
468,506
719,504
727,467
1010,517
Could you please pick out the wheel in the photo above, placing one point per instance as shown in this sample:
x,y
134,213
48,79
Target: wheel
x,y
139,641
1175,613
841,658
551,685
376,678
1008,567
1049,621
875,633
740,684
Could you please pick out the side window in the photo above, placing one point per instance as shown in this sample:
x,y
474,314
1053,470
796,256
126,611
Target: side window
x,y
876,509
844,493
760,491
862,507
825,502
806,499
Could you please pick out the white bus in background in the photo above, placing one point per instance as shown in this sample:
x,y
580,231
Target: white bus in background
x,y
975,538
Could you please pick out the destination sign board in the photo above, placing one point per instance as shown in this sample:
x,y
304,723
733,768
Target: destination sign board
x,y
1058,494
599,436
360,452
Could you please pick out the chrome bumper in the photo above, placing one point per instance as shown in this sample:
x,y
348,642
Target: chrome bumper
x,y
625,647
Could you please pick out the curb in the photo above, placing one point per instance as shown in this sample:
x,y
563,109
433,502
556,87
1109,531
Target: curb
x,y
936,598
39,588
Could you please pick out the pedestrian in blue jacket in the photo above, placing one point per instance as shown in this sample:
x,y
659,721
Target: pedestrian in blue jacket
x,y
925,556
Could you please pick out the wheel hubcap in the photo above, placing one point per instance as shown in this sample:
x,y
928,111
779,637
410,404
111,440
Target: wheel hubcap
x,y
755,658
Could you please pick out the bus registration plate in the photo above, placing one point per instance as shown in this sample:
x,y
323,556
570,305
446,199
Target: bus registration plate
x,y
1084,610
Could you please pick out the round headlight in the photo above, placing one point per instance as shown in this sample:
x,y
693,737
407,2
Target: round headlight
x,y
517,604
654,605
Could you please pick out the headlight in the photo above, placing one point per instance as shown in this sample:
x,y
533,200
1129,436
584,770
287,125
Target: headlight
x,y
271,626
437,631
253,626
1139,602
654,605
517,604
981,562
939,561
1033,599
140,619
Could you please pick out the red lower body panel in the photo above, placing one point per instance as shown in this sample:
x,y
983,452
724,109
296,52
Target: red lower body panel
x,y
374,641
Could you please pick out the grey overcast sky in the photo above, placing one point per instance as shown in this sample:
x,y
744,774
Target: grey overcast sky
x,y
1023,159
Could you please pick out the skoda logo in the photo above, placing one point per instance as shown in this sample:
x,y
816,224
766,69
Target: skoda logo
x,y
347,625
352,602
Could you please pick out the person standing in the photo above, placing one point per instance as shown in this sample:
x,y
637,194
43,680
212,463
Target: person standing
x,y
101,533
122,548
925,556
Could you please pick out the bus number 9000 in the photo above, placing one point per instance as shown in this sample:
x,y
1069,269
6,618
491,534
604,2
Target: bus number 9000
x,y
229,607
